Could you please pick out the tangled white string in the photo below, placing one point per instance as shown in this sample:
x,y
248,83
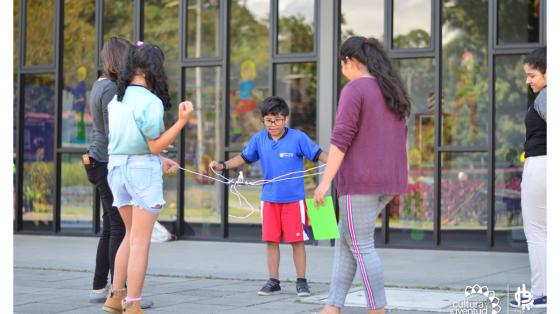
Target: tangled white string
x,y
240,180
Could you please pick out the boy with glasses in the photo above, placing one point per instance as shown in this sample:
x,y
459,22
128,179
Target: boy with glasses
x,y
280,150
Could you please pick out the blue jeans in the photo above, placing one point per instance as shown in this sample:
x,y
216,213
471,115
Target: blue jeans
x,y
136,180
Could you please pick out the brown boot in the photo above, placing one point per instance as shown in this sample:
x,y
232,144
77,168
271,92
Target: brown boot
x,y
113,304
132,307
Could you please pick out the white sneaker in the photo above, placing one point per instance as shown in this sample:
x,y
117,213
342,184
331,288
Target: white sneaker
x,y
99,297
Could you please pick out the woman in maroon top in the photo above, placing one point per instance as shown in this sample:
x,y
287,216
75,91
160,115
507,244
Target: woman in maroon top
x,y
368,158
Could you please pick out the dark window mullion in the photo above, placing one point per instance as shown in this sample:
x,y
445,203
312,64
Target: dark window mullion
x,y
506,51
409,53
463,149
98,32
529,46
542,24
225,53
179,223
437,134
138,20
293,60
201,62
273,39
59,55
492,38
38,69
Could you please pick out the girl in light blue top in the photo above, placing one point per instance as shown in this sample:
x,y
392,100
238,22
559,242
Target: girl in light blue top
x,y
136,137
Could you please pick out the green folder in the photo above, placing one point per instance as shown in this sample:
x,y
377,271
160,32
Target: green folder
x,y
322,219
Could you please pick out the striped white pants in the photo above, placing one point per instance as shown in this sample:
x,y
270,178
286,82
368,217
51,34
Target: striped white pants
x,y
356,249
533,209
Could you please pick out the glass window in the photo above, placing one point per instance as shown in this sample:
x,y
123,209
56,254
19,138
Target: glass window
x,y
411,216
245,208
296,26
464,197
38,148
117,19
412,23
203,28
362,18
465,73
16,35
76,195
511,100
249,67
203,143
15,95
39,36
297,84
518,21
79,72
161,20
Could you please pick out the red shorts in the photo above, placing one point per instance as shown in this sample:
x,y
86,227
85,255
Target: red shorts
x,y
287,219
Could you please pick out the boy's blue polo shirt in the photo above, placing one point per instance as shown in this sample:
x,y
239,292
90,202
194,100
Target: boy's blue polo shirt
x,y
279,158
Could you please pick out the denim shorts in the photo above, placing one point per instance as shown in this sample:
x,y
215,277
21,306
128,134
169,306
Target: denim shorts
x,y
136,180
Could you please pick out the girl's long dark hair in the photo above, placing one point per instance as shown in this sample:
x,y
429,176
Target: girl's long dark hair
x,y
370,52
147,59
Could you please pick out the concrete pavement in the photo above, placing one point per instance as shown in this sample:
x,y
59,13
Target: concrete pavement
x,y
52,274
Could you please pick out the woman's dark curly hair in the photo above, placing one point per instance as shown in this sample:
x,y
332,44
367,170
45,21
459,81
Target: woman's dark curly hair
x,y
146,59
370,52
537,59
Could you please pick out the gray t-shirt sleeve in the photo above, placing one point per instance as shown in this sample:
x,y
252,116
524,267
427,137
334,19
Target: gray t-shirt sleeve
x,y
108,95
540,104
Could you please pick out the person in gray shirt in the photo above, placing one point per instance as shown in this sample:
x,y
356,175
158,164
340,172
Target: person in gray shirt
x,y
95,162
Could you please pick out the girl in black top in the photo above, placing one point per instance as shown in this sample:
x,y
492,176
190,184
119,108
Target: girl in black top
x,y
533,184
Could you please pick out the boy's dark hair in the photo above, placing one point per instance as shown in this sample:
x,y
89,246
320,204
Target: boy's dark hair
x,y
274,105
112,56
537,59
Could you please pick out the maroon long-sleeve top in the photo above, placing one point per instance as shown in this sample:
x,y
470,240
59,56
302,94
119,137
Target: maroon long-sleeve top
x,y
373,139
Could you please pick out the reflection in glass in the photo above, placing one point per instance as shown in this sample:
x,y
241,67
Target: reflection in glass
x,y
76,196
117,19
16,35
161,18
203,28
15,95
412,213
203,144
412,23
465,73
362,18
239,211
39,36
249,67
296,27
464,191
38,148
510,106
297,84
79,72
518,21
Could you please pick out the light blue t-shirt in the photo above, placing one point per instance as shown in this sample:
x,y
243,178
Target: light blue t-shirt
x,y
133,121
279,158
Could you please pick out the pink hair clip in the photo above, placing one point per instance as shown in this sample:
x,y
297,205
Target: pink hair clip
x,y
139,43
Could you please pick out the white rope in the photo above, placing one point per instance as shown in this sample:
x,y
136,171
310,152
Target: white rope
x,y
234,183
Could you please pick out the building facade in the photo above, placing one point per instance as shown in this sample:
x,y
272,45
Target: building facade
x,y
461,60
